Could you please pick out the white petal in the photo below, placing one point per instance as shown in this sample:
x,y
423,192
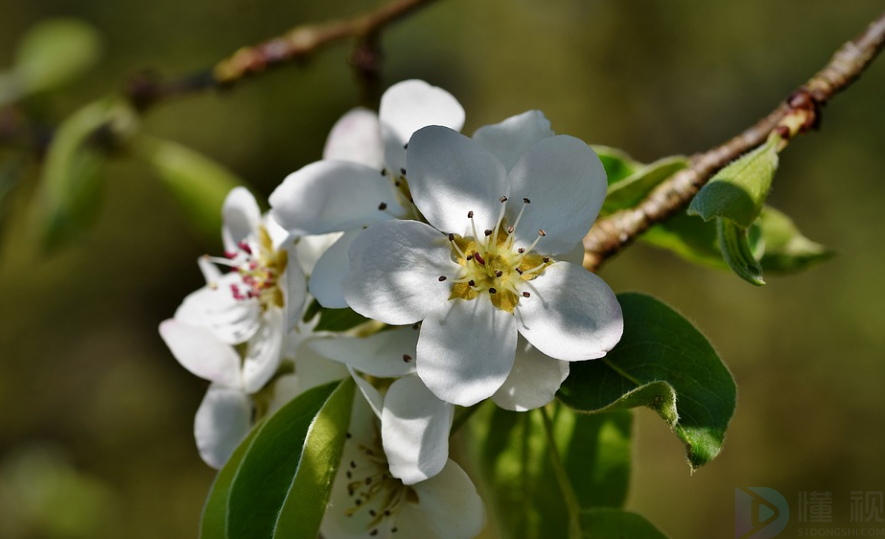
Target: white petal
x,y
222,422
449,493
278,234
372,395
311,370
241,218
466,351
309,249
293,284
387,354
356,137
415,430
331,196
407,107
210,271
450,175
264,351
572,314
394,272
566,184
331,270
214,307
514,136
202,353
533,381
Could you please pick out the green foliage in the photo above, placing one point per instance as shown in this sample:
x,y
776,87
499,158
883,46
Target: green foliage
x,y
738,191
71,185
664,363
734,241
616,524
52,54
786,250
198,184
618,165
277,482
630,190
512,452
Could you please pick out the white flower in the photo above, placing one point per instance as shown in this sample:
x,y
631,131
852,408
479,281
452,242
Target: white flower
x,y
345,192
415,424
252,306
367,501
489,264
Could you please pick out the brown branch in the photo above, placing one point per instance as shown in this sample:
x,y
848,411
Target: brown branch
x,y
296,44
611,234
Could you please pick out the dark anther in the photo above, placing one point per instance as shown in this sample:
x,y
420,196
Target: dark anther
x,y
488,232
525,294
384,172
510,229
526,201
519,271
387,513
407,358
396,183
402,171
499,273
349,475
442,278
349,435
469,257
372,512
541,232
520,250
492,291
382,206
394,530
373,533
406,146
502,199
471,282
470,214
352,464
451,237
358,501
545,259
368,481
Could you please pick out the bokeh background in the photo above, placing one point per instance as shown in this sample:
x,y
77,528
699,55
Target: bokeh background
x,y
96,416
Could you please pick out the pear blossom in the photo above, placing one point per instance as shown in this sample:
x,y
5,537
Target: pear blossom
x,y
345,192
367,501
490,263
415,424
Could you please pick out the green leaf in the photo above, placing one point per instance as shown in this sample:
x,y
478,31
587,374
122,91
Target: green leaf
x,y
689,237
786,249
214,518
627,192
735,244
302,512
615,524
71,185
286,461
513,455
617,164
55,52
738,191
664,363
198,184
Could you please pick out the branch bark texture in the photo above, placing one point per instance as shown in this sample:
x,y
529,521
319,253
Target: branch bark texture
x,y
611,234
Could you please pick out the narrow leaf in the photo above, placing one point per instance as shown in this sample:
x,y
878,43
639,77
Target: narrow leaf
x,y
617,164
55,52
198,184
303,508
786,249
214,519
738,191
735,245
266,473
664,363
616,524
628,192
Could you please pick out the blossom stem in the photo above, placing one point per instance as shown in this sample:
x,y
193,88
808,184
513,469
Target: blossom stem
x,y
565,486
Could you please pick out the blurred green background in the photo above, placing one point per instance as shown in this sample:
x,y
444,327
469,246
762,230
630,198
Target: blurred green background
x,y
96,416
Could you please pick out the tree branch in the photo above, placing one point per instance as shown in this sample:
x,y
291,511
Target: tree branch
x,y
798,113
296,44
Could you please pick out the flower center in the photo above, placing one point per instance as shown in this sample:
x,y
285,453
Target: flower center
x,y
374,491
492,266
260,267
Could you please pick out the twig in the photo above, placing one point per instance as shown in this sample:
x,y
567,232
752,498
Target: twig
x,y
611,234
297,44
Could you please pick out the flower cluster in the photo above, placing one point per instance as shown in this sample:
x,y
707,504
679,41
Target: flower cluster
x,y
469,246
